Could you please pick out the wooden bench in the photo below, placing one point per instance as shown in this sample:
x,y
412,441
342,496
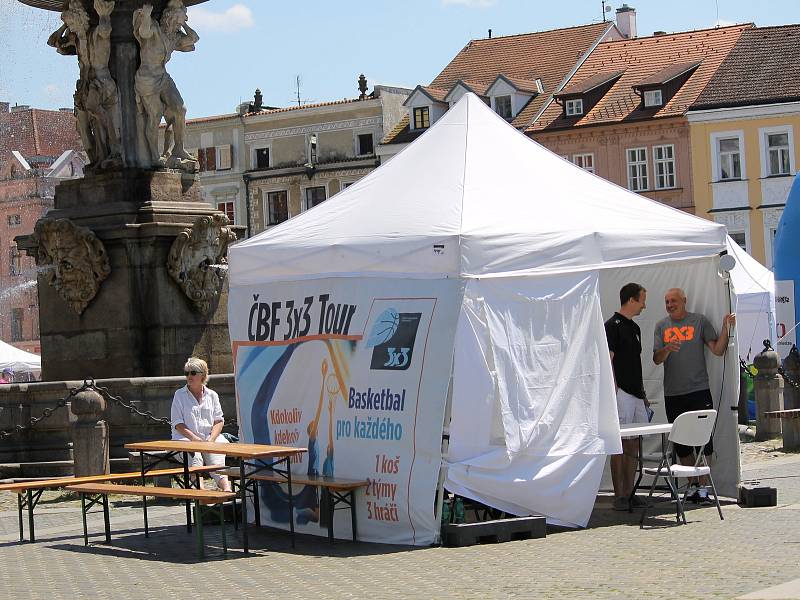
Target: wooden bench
x,y
337,490
98,492
29,492
790,426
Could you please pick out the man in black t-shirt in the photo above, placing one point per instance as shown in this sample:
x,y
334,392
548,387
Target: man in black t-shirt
x,y
625,346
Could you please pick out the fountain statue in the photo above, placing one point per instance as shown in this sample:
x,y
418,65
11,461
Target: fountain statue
x,y
131,281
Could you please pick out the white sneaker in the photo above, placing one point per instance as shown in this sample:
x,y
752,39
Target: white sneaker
x,y
693,493
703,498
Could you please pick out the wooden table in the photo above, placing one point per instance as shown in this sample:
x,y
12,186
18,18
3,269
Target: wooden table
x,y
640,430
253,459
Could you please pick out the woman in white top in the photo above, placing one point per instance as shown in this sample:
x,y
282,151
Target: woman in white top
x,y
197,416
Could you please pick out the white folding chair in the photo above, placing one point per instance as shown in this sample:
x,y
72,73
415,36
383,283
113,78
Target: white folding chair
x,y
692,428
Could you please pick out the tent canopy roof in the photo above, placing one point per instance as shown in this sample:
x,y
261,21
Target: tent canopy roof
x,y
18,360
473,197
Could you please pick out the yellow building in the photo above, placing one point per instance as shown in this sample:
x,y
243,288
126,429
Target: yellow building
x,y
742,137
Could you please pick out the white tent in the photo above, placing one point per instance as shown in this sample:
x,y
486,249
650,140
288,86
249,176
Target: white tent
x,y
18,360
467,278
754,285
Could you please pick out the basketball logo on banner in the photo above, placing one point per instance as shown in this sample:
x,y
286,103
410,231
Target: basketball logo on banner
x,y
392,337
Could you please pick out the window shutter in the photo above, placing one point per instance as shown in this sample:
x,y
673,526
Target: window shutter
x,y
211,159
201,158
225,157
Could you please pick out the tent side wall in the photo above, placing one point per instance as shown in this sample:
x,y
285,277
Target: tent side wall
x,y
357,371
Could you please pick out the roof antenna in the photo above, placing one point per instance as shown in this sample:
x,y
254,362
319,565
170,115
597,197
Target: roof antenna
x,y
606,9
297,84
490,34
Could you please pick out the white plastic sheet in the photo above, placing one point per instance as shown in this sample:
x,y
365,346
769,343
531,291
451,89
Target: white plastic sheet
x,y
533,396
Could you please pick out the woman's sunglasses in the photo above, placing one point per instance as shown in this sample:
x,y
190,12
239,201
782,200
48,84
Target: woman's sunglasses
x,y
191,372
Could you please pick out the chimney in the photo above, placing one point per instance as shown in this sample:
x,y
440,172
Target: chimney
x,y
362,87
626,21
659,33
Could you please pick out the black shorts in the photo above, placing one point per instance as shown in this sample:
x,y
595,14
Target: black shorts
x,y
677,405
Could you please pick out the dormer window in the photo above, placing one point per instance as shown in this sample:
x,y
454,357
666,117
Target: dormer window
x,y
422,117
653,98
502,106
573,107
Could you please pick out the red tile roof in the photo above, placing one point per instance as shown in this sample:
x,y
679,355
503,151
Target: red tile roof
x,y
589,83
37,132
763,68
641,59
669,73
546,55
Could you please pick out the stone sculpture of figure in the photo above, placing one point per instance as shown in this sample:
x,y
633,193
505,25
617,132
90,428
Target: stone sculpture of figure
x,y
157,95
77,260
96,106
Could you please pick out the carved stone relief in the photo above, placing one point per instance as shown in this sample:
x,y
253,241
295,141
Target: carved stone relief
x,y
72,260
198,259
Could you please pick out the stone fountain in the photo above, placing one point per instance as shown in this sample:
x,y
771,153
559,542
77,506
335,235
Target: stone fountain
x,y
132,261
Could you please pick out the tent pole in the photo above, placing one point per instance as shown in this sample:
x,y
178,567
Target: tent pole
x,y
443,462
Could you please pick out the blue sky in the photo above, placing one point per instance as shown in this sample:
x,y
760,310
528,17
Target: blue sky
x,y
267,43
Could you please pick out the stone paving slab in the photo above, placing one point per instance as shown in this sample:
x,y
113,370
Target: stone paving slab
x,y
786,591
752,549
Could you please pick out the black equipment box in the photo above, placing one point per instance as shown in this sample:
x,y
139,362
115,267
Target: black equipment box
x,y
754,497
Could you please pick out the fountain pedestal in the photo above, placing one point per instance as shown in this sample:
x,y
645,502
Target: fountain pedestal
x,y
140,322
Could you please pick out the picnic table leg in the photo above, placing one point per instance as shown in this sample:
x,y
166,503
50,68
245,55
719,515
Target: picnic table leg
x,y
235,509
222,526
21,521
329,504
106,522
291,500
256,503
30,515
144,498
198,522
243,491
83,512
186,486
353,514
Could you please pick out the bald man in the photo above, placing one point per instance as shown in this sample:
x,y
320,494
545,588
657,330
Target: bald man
x,y
679,344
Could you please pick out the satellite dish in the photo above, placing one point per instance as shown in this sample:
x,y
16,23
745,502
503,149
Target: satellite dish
x,y
727,262
607,9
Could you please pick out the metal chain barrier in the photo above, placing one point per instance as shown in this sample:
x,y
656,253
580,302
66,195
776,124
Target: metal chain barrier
x,y
46,414
788,379
146,414
89,384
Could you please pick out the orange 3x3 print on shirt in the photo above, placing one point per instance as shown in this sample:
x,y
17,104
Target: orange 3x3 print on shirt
x,y
678,334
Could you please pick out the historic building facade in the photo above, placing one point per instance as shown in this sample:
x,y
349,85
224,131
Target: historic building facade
x,y
37,149
264,164
744,151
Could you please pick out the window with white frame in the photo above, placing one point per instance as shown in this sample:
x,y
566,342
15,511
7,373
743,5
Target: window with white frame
x,y
740,238
502,106
637,169
14,220
729,158
585,161
229,208
664,166
778,157
214,158
653,98
224,158
315,195
347,184
14,263
573,107
277,207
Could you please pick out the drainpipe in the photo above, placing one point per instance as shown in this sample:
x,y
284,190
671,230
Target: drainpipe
x,y
246,177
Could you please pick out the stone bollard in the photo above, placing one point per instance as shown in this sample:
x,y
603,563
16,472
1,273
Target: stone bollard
x,y
89,434
768,393
791,400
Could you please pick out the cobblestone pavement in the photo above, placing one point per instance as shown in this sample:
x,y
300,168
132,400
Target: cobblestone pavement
x,y
751,549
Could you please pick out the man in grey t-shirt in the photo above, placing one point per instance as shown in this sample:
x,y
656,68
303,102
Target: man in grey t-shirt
x,y
679,343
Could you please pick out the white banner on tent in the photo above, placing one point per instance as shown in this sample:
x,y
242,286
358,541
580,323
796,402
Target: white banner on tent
x,y
358,374
784,316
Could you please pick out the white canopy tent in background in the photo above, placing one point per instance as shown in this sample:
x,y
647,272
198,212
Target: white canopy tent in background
x,y
524,254
754,285
19,360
